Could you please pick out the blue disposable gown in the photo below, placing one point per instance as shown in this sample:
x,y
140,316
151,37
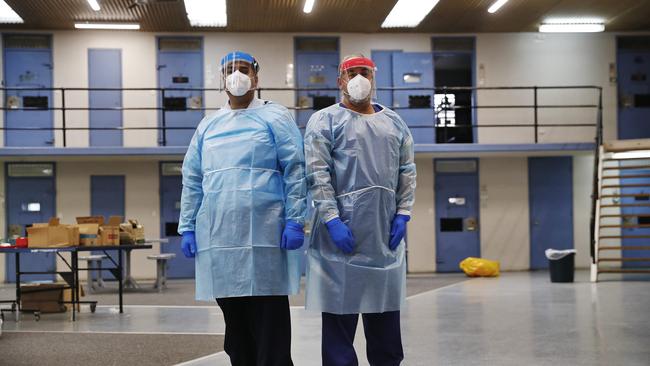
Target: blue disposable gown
x,y
361,168
243,177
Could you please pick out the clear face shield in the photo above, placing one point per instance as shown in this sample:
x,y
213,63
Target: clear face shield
x,y
359,85
237,73
358,80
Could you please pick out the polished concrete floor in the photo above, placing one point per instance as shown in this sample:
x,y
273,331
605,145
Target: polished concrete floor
x,y
516,319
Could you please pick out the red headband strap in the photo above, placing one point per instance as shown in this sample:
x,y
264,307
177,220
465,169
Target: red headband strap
x,y
357,62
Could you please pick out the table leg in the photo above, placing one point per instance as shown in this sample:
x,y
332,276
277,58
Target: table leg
x,y
120,285
129,281
75,283
17,315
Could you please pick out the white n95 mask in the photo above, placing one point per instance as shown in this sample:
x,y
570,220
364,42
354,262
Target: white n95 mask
x,y
238,83
359,89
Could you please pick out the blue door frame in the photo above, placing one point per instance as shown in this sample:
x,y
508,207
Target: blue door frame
x,y
633,79
457,213
383,60
473,56
315,69
550,195
107,198
28,68
170,197
180,69
415,70
105,71
19,192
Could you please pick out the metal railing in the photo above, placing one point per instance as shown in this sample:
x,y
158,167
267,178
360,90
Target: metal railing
x,y
64,109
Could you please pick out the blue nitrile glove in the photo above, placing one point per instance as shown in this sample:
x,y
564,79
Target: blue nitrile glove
x,y
397,230
188,244
341,235
293,236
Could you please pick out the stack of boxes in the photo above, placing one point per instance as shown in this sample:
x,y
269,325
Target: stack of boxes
x,y
89,231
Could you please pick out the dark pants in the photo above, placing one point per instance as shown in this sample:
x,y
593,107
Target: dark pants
x,y
258,330
383,339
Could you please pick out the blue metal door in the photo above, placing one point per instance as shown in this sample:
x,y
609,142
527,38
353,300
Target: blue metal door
x,y
550,195
633,94
31,197
457,212
180,67
105,71
415,70
170,205
316,70
383,59
107,199
28,68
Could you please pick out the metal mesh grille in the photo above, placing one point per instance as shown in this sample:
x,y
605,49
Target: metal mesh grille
x,y
26,41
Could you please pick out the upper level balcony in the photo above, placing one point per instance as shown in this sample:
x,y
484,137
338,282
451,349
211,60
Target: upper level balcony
x,y
157,121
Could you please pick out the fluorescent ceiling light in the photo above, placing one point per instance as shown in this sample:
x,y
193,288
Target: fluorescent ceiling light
x,y
94,5
309,5
408,13
572,25
496,6
206,13
121,26
639,154
8,15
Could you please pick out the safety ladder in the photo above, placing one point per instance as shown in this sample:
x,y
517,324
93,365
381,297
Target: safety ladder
x,y
621,226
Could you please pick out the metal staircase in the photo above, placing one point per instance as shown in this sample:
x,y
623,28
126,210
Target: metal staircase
x,y
621,210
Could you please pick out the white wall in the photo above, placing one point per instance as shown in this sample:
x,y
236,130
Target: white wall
x,y
534,59
507,59
421,228
583,170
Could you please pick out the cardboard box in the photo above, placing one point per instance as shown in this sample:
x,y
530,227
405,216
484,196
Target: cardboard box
x,y
43,297
89,234
89,230
52,234
99,220
107,233
131,232
67,297
110,233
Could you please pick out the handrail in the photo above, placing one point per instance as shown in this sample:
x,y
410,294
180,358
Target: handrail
x,y
63,108
594,189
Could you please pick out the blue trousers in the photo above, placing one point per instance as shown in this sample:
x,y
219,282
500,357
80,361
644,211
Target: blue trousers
x,y
383,339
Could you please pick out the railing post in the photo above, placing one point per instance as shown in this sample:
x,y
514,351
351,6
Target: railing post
x,y
535,111
163,141
259,93
63,116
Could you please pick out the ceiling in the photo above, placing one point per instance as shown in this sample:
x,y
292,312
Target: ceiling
x,y
366,16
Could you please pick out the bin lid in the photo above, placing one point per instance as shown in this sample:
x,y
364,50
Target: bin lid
x,y
554,254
